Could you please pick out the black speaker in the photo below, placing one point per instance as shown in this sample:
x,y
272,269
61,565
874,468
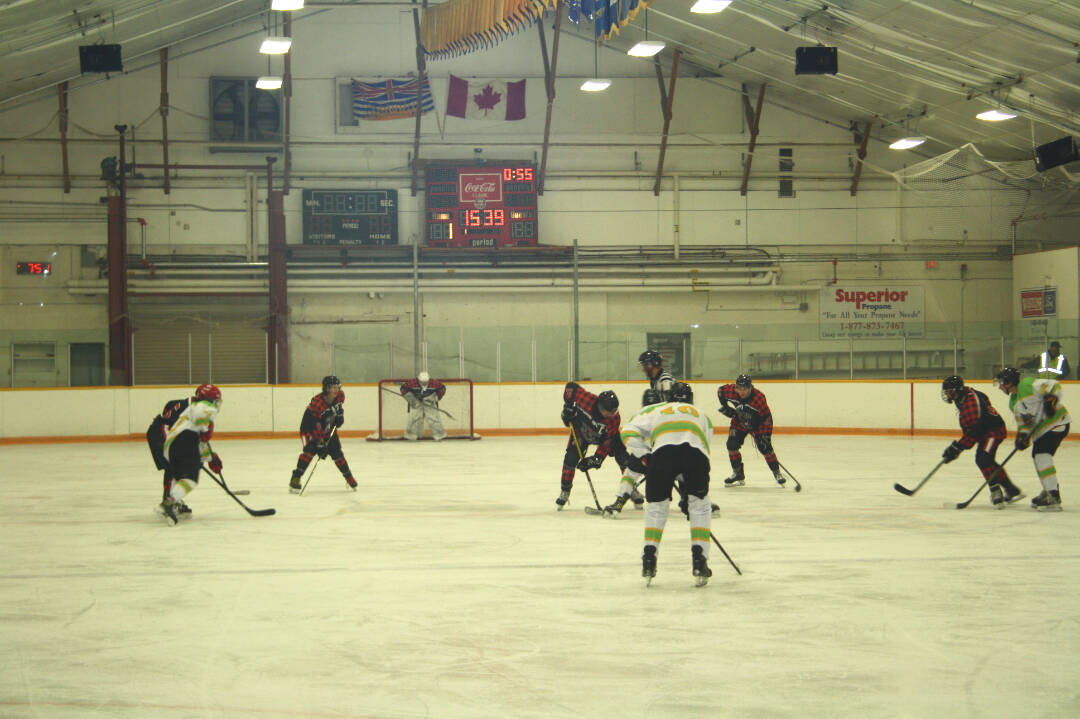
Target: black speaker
x,y
815,61
100,58
1058,152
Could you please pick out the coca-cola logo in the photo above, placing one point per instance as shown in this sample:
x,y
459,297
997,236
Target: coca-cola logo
x,y
480,187
484,185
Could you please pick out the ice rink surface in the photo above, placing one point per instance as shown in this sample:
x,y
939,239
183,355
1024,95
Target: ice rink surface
x,y
449,586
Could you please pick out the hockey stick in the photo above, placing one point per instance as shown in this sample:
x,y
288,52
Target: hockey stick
x,y
581,456
252,512
909,492
316,464
798,487
398,394
716,541
237,492
969,500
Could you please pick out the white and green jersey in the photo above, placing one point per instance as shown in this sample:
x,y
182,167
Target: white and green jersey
x,y
198,418
1027,405
668,423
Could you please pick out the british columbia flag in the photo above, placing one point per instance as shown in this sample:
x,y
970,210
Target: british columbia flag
x,y
389,99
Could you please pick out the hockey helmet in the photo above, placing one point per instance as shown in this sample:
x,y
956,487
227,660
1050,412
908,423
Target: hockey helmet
x,y
607,400
329,381
743,380
208,393
650,357
1007,376
423,378
650,396
950,386
681,392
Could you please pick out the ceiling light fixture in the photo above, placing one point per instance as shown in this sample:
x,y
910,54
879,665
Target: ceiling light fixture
x,y
275,45
707,7
287,5
268,82
647,47
595,83
906,143
996,115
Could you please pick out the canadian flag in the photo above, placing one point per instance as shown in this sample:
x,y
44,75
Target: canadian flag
x,y
483,100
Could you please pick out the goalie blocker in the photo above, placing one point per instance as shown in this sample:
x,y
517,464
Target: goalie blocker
x,y
455,410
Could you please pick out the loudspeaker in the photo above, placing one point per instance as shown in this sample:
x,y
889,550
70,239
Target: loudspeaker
x,y
100,58
1058,152
815,61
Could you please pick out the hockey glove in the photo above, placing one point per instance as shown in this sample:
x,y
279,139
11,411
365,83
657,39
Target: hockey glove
x,y
215,463
638,464
588,463
748,416
1049,405
568,414
727,411
952,452
1023,440
413,400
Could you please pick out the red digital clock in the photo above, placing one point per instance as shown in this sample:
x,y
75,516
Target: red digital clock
x,y
480,205
33,268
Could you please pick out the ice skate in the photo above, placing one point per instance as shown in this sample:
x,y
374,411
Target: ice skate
x,y
615,507
648,564
701,567
294,483
563,498
716,510
183,511
637,498
351,482
167,510
1047,501
997,496
1013,493
780,479
737,479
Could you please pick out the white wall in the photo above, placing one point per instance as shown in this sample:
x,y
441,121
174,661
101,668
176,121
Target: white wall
x,y
885,407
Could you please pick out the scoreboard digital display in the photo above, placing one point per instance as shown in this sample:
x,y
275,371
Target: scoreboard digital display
x,y
488,205
350,217
33,268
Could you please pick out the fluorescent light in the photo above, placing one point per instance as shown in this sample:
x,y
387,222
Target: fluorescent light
x,y
287,5
268,82
646,48
275,45
706,7
906,143
595,85
995,115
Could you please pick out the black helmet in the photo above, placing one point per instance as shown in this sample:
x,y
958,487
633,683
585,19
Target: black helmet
x,y
681,392
952,383
743,380
607,400
650,396
1007,375
650,357
330,380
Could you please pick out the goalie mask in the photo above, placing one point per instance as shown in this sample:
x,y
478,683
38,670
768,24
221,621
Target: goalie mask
x,y
423,378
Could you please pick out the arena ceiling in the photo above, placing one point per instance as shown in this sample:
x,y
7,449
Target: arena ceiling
x,y
911,67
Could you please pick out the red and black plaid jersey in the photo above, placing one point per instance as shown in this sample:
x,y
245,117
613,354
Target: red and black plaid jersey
x,y
169,413
312,421
755,399
434,387
575,394
977,416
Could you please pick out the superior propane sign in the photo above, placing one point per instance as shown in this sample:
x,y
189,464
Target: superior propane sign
x,y
872,311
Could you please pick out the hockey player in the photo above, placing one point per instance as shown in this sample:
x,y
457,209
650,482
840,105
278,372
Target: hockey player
x,y
665,441
628,484
983,429
318,430
155,438
187,446
423,395
745,405
652,364
592,419
1041,421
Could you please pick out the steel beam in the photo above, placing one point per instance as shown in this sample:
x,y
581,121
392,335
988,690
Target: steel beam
x,y
277,335
667,121
549,77
61,91
754,128
862,156
421,71
163,108
287,127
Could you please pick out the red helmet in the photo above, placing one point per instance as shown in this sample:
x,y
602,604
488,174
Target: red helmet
x,y
208,392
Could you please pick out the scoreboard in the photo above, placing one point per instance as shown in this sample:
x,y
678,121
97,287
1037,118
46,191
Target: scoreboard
x,y
474,205
350,217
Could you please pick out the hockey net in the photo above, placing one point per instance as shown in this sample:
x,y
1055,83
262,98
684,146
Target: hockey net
x,y
456,414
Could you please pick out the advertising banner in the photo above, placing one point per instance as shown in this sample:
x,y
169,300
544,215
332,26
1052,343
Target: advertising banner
x,y
872,311
1038,303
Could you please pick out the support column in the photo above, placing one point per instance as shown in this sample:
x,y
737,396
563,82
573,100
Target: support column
x,y
119,321
549,79
421,73
278,335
